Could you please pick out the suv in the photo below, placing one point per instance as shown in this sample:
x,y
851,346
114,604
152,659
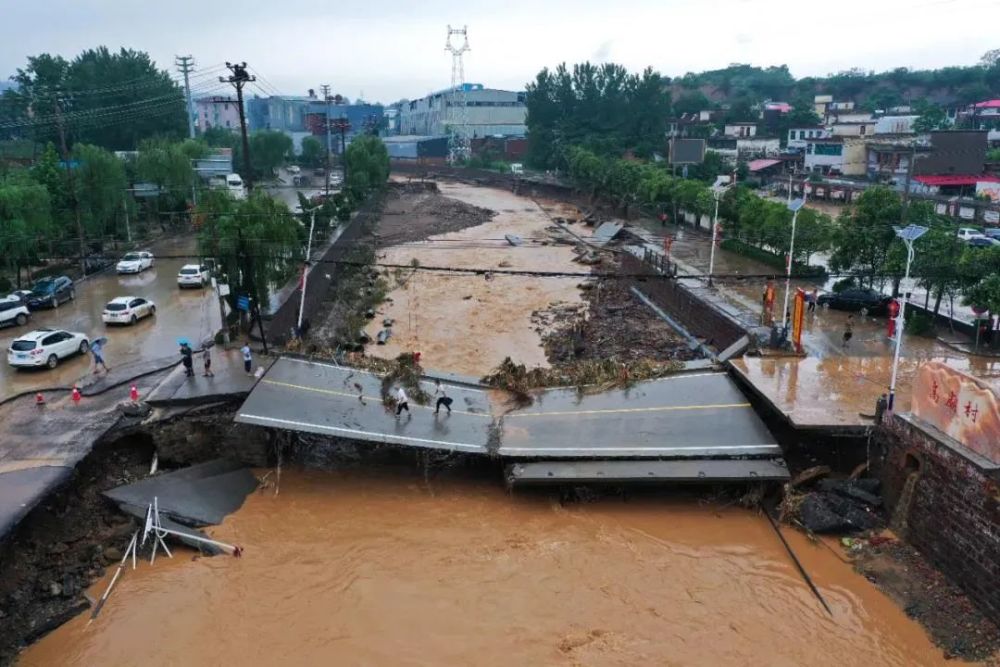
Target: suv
x,y
856,298
13,311
969,233
193,275
45,347
50,292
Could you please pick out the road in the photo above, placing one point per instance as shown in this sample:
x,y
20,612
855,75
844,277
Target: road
x,y
189,313
682,416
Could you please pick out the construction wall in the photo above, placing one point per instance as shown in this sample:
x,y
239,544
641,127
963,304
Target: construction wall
x,y
944,505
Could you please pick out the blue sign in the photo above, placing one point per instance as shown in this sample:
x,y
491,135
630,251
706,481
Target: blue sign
x,y
243,303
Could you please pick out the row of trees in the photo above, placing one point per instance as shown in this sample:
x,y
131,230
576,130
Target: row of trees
x,y
862,240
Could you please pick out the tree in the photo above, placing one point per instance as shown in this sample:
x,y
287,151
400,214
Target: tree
x,y
219,137
984,294
166,165
110,99
367,165
313,152
813,233
930,117
269,149
256,243
100,188
25,220
692,103
865,232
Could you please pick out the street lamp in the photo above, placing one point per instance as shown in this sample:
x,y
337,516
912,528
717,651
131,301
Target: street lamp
x,y
909,234
717,190
305,268
794,206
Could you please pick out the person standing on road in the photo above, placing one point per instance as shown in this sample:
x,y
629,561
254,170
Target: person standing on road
x,y
848,331
442,398
247,358
187,359
811,299
206,357
97,349
402,403
881,405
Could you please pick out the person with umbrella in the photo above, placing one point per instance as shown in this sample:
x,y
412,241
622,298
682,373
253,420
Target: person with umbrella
x,y
97,350
187,357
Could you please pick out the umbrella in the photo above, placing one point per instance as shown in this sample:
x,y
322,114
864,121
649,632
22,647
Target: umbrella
x,y
183,341
103,340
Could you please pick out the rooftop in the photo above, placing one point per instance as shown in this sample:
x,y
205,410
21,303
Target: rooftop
x,y
988,104
956,179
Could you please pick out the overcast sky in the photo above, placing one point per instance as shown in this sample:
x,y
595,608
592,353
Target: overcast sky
x,y
392,49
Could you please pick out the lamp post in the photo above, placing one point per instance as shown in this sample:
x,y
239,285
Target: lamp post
x,y
305,268
794,206
909,234
718,190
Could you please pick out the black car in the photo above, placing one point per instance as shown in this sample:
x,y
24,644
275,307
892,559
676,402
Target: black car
x,y
856,298
983,242
50,292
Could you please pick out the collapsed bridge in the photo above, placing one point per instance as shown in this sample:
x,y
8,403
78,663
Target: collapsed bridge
x,y
694,426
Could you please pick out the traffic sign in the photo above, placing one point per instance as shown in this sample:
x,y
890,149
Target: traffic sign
x,y
243,303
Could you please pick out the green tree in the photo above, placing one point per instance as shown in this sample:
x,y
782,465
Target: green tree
x,y
865,233
220,137
109,99
100,188
813,233
930,117
313,152
367,165
269,149
25,221
257,243
984,294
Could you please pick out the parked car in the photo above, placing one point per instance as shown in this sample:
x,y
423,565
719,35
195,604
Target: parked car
x,y
46,347
294,169
19,295
856,298
50,292
127,310
992,232
193,275
969,233
134,262
13,311
983,242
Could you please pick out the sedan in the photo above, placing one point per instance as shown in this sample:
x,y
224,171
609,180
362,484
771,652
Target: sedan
x,y
50,292
46,347
983,242
127,310
855,299
135,262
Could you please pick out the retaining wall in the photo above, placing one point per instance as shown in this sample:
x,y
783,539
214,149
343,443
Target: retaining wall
x,y
943,504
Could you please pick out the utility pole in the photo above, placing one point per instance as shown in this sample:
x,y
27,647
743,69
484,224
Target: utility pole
x,y
185,64
64,149
343,125
326,121
238,79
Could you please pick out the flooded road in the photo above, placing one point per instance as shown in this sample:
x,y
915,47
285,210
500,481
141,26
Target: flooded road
x,y
378,567
191,313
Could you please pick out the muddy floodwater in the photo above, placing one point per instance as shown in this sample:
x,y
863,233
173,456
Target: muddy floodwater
x,y
379,567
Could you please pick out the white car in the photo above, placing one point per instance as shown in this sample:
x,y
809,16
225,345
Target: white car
x,y
193,275
127,310
969,233
18,295
46,347
13,311
294,169
135,262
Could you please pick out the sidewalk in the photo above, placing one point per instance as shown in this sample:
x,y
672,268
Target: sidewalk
x,y
832,385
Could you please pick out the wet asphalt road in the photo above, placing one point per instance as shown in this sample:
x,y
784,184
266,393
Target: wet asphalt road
x,y
190,313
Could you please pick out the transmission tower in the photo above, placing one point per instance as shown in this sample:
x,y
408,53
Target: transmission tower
x,y
455,113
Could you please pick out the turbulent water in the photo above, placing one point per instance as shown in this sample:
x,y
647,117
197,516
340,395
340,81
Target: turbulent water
x,y
384,567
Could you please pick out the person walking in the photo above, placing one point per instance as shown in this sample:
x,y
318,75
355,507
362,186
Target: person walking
x,y
187,358
848,331
206,358
247,358
97,350
812,298
442,398
402,403
881,405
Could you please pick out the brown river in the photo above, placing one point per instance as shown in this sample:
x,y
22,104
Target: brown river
x,y
379,567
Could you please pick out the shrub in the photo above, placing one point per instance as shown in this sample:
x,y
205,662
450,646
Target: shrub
x,y
772,259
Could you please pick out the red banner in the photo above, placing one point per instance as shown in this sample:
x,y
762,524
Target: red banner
x,y
959,405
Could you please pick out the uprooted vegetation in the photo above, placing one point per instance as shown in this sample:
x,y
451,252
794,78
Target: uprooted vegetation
x,y
404,370
589,376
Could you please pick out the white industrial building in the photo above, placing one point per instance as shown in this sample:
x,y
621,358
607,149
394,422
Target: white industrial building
x,y
488,112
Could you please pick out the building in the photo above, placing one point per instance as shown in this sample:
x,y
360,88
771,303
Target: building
x,y
889,161
417,149
853,128
296,115
954,152
797,136
487,112
217,111
741,130
836,155
895,124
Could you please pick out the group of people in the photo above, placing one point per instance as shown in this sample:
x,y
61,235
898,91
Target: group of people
x,y
443,400
187,359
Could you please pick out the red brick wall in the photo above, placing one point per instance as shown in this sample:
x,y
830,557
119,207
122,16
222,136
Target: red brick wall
x,y
953,514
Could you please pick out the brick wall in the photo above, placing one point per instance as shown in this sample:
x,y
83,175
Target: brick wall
x,y
679,301
951,513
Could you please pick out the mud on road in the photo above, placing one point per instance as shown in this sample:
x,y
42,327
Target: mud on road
x,y
416,211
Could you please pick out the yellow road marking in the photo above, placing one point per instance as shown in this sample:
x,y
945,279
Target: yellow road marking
x,y
663,408
378,399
